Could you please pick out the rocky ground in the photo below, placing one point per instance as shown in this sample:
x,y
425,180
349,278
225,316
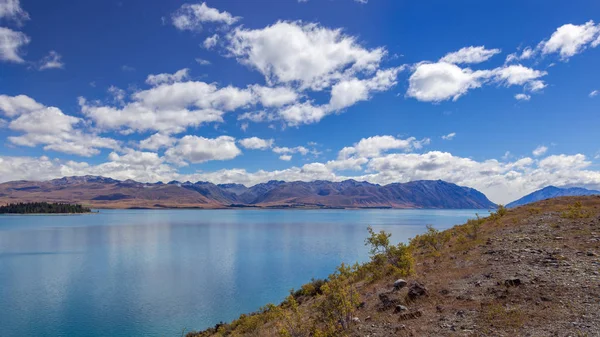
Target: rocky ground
x,y
534,273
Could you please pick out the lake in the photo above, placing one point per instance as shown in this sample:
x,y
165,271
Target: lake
x,y
158,272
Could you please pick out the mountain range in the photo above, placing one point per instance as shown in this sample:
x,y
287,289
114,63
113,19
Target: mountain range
x,y
551,192
102,192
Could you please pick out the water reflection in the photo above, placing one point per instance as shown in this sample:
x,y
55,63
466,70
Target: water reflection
x,y
124,273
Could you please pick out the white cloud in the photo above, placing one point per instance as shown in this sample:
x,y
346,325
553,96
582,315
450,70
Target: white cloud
x,y
470,55
257,116
308,55
517,75
56,131
11,10
211,41
170,107
117,94
202,62
136,158
285,157
178,76
192,16
348,92
196,149
302,113
255,143
594,93
275,97
10,45
44,121
157,141
52,61
522,97
449,136
435,82
16,105
287,150
571,39
376,145
540,150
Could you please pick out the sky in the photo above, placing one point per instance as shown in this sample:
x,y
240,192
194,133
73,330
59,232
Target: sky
x,y
501,96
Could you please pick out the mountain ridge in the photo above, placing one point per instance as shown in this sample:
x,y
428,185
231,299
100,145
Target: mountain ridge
x,y
551,192
103,192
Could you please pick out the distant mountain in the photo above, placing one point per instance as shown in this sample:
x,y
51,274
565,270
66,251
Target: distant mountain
x,y
110,193
551,192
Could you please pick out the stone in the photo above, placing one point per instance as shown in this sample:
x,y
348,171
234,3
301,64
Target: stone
x,y
355,319
416,290
399,284
512,282
400,308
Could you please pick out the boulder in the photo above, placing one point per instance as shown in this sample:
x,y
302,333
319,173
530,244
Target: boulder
x,y
416,290
399,284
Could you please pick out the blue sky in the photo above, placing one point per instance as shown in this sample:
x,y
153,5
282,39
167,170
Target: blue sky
x,y
499,96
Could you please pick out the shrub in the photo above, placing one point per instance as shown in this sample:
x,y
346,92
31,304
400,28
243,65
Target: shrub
x,y
340,299
290,320
386,259
432,241
576,211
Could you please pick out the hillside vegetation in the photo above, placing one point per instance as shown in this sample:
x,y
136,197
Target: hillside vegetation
x,y
529,271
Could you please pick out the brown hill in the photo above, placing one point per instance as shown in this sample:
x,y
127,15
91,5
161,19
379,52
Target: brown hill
x,y
103,192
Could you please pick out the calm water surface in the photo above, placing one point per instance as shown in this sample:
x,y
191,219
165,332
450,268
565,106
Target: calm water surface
x,y
157,272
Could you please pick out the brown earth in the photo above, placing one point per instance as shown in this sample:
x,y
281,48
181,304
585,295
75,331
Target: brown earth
x,y
533,272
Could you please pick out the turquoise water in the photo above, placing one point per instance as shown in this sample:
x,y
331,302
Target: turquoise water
x,y
158,272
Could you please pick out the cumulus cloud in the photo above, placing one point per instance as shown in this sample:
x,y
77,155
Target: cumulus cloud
x,y
194,149
470,55
569,40
11,43
376,145
170,107
16,105
285,157
157,141
192,16
275,97
305,54
594,93
288,150
56,131
436,82
136,158
540,150
255,143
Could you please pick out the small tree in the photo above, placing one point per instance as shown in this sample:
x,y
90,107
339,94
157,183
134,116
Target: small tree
x,y
379,242
340,299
